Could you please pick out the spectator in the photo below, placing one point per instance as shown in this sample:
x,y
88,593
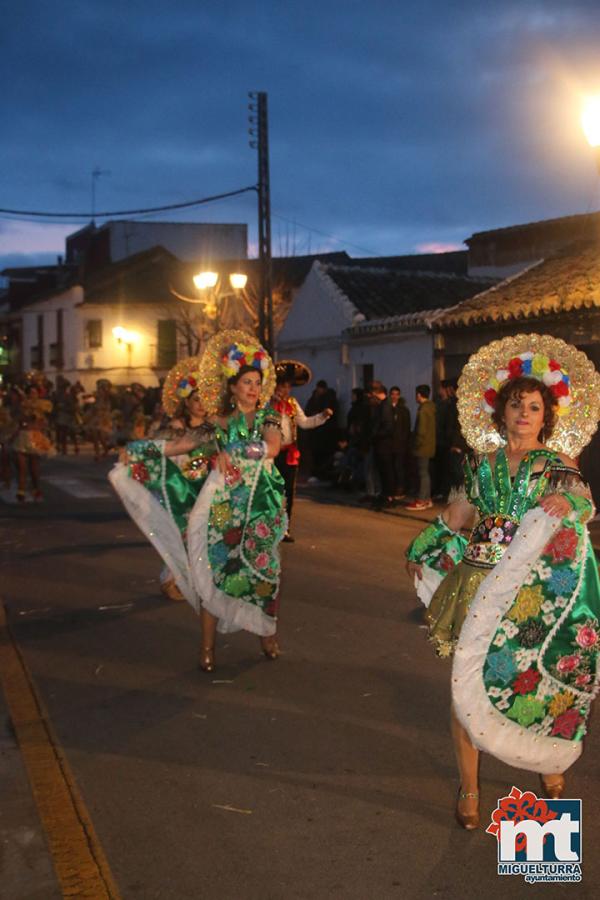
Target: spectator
x,y
424,446
458,445
322,441
443,435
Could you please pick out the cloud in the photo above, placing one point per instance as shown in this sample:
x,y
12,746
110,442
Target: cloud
x,y
391,125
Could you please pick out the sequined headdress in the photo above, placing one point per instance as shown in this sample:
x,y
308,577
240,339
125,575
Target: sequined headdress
x,y
568,373
225,354
180,383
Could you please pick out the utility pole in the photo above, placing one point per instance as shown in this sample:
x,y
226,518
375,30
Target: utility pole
x,y
259,132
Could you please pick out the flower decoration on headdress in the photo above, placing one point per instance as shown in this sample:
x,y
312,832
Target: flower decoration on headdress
x,y
238,355
225,355
570,375
531,365
180,383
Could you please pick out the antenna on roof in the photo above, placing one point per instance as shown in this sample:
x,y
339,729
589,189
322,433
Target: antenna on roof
x,y
96,173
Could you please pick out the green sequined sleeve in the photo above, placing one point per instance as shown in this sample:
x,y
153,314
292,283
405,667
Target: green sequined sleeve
x,y
432,540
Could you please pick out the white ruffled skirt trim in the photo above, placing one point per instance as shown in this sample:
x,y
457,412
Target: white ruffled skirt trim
x,y
233,614
488,729
158,527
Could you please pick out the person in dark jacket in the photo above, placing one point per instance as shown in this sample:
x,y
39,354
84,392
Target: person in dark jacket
x,y
322,441
424,446
391,436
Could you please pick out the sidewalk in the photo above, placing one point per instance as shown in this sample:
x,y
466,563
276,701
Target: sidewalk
x,y
323,493
25,862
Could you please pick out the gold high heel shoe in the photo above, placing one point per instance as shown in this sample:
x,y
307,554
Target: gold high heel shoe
x,y
207,659
553,787
270,647
469,821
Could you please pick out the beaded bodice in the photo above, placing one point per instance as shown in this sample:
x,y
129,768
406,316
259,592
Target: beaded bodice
x,y
502,501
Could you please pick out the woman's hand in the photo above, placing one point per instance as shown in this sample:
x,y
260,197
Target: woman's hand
x,y
224,462
328,412
556,505
124,456
413,569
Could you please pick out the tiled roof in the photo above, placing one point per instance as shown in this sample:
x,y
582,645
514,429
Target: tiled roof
x,y
384,293
585,224
453,262
568,280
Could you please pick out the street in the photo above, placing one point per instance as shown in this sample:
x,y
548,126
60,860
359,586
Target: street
x,y
328,773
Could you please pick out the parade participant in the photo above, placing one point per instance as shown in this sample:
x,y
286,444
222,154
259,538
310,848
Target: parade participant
x,y
239,519
32,441
159,492
98,419
290,373
518,604
8,429
66,415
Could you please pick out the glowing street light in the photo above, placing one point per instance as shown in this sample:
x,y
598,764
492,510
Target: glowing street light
x,y
212,290
590,120
204,280
127,337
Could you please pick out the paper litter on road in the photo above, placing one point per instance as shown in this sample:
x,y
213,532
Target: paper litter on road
x,y
245,812
116,606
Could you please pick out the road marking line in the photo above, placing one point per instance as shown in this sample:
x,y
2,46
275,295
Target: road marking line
x,y
78,858
78,487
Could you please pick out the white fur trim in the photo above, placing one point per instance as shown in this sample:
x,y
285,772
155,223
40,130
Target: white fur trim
x,y
488,729
158,527
233,614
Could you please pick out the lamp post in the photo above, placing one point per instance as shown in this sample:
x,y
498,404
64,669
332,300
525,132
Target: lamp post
x,y
212,290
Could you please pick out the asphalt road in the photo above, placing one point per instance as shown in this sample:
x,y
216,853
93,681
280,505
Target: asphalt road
x,y
328,773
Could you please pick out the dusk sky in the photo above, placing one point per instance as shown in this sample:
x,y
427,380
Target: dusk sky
x,y
396,127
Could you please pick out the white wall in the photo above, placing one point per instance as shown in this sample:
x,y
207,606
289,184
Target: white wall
x,y
319,310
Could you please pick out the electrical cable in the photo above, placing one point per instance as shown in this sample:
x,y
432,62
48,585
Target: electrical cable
x,y
125,212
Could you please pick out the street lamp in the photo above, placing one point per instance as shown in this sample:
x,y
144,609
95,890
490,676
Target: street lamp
x,y
212,291
127,337
590,122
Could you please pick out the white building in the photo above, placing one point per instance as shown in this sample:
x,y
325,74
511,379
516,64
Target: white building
x,y
353,324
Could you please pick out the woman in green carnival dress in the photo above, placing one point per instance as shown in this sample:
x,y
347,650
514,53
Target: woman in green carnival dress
x,y
160,492
239,520
518,604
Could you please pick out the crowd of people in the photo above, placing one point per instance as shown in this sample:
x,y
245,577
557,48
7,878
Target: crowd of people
x,y
39,418
381,452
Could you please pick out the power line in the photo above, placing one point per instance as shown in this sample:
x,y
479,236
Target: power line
x,y
326,234
125,212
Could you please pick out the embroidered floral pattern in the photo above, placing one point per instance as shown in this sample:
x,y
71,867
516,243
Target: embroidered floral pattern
x,y
566,724
560,703
526,710
562,546
527,605
526,681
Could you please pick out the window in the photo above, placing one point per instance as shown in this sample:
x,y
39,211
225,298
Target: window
x,y
93,334
167,343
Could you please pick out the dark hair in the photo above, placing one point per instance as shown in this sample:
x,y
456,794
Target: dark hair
x,y
516,387
424,390
395,387
358,393
321,383
227,400
285,378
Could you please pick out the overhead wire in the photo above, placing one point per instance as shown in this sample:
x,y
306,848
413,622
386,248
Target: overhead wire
x,y
124,212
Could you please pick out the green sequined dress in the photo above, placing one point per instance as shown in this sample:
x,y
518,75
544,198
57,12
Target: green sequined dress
x,y
235,530
521,613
